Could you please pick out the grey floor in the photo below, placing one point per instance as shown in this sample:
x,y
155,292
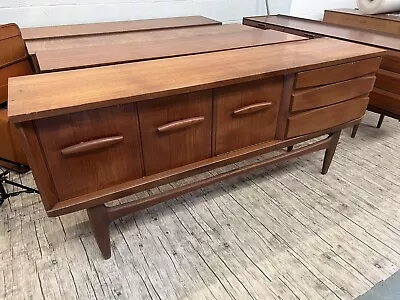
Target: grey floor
x,y
388,289
284,232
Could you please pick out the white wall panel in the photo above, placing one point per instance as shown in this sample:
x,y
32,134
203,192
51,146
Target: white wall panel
x,y
28,13
314,9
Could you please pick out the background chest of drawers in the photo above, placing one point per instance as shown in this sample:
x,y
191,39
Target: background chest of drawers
x,y
385,97
116,130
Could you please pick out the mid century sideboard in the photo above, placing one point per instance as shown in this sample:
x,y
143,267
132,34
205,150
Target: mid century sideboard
x,y
95,135
385,97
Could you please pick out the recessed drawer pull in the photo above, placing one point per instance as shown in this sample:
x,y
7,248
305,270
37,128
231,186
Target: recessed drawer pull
x,y
91,145
252,108
180,124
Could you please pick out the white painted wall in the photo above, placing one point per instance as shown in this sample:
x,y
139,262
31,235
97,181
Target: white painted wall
x,y
279,7
29,13
314,9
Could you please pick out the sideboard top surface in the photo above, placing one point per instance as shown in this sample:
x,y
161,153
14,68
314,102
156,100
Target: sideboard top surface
x,y
74,58
363,36
112,27
44,95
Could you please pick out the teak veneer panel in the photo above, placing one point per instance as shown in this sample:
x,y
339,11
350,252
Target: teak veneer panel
x,y
35,46
333,93
337,73
168,141
82,173
386,41
354,18
326,117
391,61
246,113
64,59
111,27
388,81
33,97
385,100
21,68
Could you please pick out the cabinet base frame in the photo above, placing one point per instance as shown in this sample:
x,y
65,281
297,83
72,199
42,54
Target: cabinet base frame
x,y
102,216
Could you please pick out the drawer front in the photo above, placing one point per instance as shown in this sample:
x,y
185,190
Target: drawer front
x,y
91,150
388,81
246,114
391,62
337,73
330,94
326,117
385,100
176,130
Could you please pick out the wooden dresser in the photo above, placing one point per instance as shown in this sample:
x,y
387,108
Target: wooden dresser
x,y
387,23
95,135
385,98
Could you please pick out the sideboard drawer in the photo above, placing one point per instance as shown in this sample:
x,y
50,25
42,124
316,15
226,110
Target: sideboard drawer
x,y
247,113
337,73
175,130
91,150
326,117
385,100
388,81
391,62
316,97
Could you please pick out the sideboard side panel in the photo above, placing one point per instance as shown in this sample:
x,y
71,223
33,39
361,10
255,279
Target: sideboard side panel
x,y
38,164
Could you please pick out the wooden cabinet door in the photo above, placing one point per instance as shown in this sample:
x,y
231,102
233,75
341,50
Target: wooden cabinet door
x,y
247,113
91,150
175,130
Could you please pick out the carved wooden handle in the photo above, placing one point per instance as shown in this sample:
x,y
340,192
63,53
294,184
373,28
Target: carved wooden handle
x,y
252,108
180,124
91,145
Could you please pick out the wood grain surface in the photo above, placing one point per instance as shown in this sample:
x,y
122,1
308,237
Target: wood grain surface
x,y
35,46
65,59
167,149
64,92
337,73
236,129
388,81
333,93
326,117
385,100
366,37
98,167
111,27
354,18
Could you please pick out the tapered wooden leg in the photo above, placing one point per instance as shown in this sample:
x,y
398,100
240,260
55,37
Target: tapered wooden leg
x,y
380,121
330,151
354,132
290,148
99,220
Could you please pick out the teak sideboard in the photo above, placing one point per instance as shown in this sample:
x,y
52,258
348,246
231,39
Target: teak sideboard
x,y
385,97
95,135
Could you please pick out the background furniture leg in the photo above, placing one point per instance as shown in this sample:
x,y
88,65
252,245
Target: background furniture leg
x,y
355,129
330,151
290,148
380,121
99,220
